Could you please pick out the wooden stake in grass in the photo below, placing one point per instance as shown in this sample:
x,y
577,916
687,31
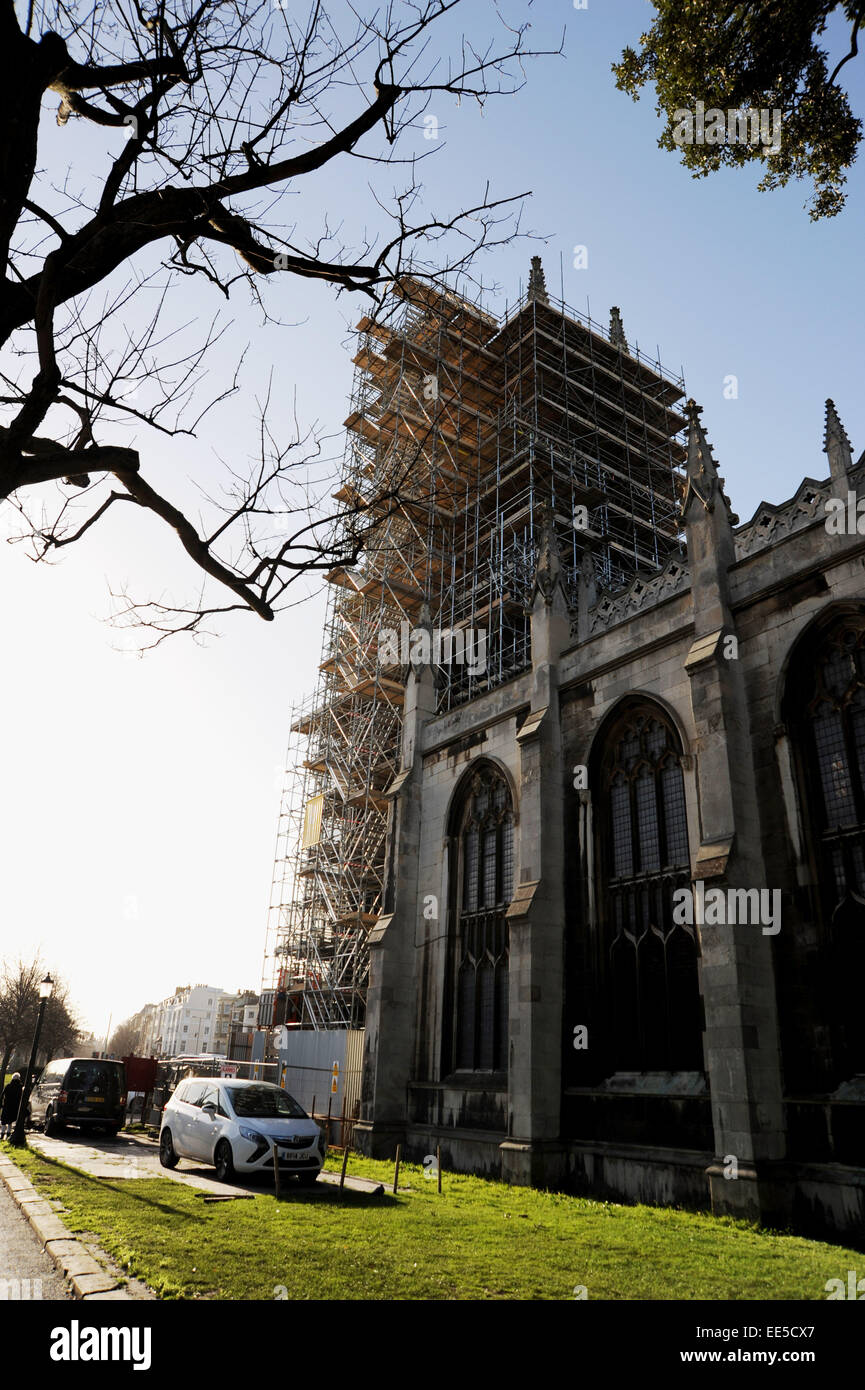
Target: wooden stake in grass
x,y
276,1174
344,1166
396,1169
439,1166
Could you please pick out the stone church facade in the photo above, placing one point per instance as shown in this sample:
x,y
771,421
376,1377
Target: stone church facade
x,y
540,1005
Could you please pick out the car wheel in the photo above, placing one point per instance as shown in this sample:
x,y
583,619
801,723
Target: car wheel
x,y
113,1130
167,1156
307,1179
224,1161
52,1125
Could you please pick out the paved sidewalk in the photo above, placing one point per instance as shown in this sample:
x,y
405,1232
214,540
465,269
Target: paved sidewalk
x,y
89,1271
126,1157
26,1271
136,1156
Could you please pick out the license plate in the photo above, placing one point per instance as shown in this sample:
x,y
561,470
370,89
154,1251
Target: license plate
x,y
291,1155
95,1100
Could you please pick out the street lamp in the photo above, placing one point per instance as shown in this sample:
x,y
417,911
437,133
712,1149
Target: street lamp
x,y
45,989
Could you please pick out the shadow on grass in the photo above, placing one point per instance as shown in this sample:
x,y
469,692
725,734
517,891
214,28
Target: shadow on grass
x,y
256,1184
120,1186
328,1195
293,1194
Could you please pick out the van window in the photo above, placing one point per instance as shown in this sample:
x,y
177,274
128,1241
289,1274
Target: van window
x,y
94,1079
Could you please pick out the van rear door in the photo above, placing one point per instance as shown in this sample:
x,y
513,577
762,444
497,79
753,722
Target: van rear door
x,y
93,1088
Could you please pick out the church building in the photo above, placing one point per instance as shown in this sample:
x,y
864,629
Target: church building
x,y
620,948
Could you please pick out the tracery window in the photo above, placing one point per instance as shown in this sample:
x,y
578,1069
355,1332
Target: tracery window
x,y
825,702
484,846
836,714
651,962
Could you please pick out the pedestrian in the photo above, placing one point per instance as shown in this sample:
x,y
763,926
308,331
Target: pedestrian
x,y
9,1103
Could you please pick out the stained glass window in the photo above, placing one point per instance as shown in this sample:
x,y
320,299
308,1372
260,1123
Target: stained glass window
x,y
834,707
485,844
643,859
826,707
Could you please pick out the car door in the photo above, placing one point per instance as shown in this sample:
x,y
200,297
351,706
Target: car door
x,y
207,1125
184,1116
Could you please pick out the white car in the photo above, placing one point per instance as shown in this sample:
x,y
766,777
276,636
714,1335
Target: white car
x,y
235,1124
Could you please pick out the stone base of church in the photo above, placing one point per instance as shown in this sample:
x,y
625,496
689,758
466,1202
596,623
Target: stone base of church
x,y
376,1140
820,1200
533,1162
463,1150
662,1177
824,1200
750,1192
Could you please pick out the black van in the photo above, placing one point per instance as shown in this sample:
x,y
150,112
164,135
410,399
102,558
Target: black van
x,y
83,1091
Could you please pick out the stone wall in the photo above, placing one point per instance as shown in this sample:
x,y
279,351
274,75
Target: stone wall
x,y
764,1092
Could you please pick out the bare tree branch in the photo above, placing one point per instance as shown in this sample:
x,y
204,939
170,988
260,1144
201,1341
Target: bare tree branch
x,y
227,110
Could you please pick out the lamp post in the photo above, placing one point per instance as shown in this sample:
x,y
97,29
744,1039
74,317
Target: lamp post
x,y
45,989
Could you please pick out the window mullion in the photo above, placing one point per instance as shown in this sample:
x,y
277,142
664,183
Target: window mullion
x,y
663,852
852,762
636,856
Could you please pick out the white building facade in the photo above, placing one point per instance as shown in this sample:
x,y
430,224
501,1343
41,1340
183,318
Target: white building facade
x,y
186,1022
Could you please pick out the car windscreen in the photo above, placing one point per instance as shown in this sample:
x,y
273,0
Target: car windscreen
x,y
263,1102
94,1079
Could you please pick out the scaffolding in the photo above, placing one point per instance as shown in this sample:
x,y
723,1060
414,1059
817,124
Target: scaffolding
x,y
463,428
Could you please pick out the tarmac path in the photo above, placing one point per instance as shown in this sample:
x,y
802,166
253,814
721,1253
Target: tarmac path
x,y
26,1272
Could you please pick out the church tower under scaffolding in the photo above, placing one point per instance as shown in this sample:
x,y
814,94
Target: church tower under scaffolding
x,y
468,436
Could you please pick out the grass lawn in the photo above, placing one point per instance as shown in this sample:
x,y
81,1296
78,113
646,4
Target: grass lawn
x,y
479,1240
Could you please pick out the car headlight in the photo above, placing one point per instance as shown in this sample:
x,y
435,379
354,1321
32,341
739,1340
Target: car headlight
x,y
254,1135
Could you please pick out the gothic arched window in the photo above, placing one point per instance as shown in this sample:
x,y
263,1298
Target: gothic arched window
x,y
483,847
651,963
825,708
835,711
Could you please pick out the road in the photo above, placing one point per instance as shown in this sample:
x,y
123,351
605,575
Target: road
x,y
25,1270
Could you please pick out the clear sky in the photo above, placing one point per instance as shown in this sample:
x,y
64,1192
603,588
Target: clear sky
x,y
139,798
